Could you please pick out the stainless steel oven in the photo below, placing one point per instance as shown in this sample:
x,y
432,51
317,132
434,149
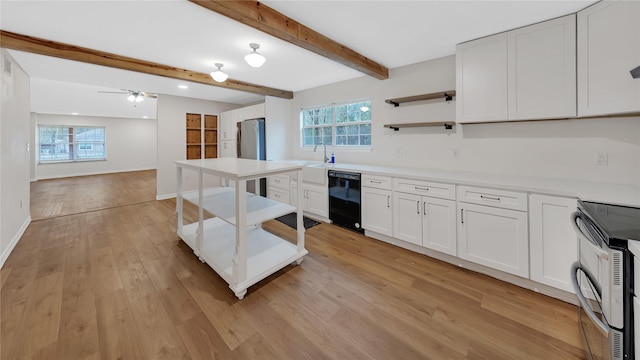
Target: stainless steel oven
x,y
602,278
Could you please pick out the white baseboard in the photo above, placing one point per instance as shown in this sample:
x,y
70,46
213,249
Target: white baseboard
x,y
90,173
165,197
14,241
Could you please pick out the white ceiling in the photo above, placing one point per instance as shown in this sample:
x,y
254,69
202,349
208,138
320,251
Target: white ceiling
x,y
185,35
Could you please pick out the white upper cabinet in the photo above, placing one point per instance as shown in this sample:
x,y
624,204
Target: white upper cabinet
x,y
542,70
608,49
253,112
481,80
524,74
228,121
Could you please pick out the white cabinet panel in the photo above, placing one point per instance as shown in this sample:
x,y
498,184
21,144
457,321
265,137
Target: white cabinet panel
x,y
278,194
493,197
439,225
377,212
228,149
407,219
425,221
494,237
481,80
315,199
431,189
228,121
542,70
376,181
253,112
553,243
608,48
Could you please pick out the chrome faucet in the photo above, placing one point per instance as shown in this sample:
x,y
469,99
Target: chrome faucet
x,y
326,159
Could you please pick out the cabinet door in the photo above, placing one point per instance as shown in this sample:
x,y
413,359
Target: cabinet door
x,y
481,80
228,149
439,225
253,112
608,48
553,244
407,217
493,237
228,121
317,200
376,210
542,70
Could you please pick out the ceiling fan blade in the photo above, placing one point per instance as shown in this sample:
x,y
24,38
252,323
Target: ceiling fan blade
x,y
112,92
149,95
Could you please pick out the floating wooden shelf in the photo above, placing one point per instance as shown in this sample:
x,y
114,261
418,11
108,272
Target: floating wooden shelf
x,y
446,95
447,125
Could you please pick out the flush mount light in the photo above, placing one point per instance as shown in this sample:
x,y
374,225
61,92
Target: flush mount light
x,y
219,75
183,86
74,113
254,59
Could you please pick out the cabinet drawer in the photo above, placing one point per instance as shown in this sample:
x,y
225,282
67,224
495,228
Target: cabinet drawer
x,y
278,194
439,190
279,181
376,181
491,197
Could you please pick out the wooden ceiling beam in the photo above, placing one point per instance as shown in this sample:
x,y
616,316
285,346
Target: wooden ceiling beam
x,y
274,23
40,46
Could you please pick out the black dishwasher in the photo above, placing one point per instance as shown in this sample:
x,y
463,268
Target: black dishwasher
x,y
344,199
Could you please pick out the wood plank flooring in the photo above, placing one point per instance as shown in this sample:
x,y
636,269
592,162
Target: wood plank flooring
x,y
117,283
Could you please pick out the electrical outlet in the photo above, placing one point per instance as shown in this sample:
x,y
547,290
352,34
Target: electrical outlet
x,y
397,150
601,159
455,153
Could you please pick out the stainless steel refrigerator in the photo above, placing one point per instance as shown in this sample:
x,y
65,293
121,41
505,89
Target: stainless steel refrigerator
x,y
251,142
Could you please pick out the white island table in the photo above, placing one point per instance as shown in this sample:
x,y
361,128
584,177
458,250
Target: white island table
x,y
233,242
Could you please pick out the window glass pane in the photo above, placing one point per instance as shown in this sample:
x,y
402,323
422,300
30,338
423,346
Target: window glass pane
x,y
346,124
63,143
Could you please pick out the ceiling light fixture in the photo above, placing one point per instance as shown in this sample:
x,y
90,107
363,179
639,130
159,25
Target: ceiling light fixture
x,y
254,59
135,96
219,75
183,86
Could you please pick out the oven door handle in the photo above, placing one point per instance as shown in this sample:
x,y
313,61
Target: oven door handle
x,y
598,250
575,267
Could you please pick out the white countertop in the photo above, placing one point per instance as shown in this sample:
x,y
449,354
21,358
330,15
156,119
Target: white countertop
x,y
234,168
620,194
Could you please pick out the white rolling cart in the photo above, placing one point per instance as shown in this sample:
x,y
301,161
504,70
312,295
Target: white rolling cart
x,y
233,242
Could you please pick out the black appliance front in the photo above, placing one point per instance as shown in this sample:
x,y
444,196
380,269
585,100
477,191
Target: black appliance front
x,y
344,200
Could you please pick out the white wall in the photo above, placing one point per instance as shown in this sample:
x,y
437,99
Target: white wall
x,y
14,157
130,144
556,149
277,130
172,138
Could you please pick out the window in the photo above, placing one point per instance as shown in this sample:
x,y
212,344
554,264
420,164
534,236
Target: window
x,y
70,143
346,125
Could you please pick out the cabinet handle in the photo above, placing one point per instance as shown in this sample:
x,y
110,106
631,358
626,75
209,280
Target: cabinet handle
x,y
418,206
424,208
462,215
375,181
420,188
489,198
388,198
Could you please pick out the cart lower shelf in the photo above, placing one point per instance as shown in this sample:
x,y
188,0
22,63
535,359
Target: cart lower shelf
x,y
266,253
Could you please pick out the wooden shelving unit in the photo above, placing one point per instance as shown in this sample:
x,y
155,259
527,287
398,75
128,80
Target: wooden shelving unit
x,y
447,125
202,138
446,95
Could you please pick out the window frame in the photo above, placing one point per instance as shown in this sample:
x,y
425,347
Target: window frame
x,y
333,125
76,144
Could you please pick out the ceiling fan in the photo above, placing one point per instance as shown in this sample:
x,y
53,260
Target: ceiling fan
x,y
132,95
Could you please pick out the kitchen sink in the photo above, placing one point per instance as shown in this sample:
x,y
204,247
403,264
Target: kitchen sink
x,y
316,173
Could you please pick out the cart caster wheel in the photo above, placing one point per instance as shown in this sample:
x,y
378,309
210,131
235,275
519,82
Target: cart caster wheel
x,y
240,295
201,259
299,261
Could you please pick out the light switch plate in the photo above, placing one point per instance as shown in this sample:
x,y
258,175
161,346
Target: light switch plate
x,y
601,159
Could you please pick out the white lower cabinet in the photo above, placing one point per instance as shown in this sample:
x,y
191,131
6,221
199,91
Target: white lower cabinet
x,y
425,221
376,210
315,198
227,149
553,244
278,188
494,237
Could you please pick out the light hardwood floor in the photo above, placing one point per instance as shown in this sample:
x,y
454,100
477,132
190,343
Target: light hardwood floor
x,y
118,284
